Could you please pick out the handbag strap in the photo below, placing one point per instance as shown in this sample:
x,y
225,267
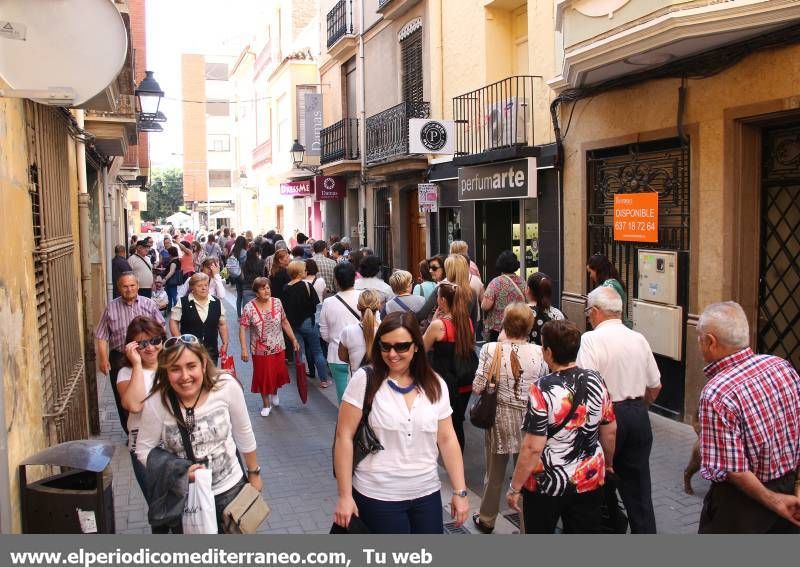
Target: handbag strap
x,y
580,393
515,285
367,404
176,409
350,309
401,304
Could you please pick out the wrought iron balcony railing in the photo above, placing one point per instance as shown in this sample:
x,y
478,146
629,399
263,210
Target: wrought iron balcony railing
x,y
387,131
340,141
496,116
382,3
340,21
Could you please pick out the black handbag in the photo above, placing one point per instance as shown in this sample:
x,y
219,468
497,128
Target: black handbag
x,y
365,441
483,412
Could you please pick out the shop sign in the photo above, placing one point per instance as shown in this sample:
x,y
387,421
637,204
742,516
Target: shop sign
x,y
428,197
431,136
304,188
330,188
505,180
313,123
636,217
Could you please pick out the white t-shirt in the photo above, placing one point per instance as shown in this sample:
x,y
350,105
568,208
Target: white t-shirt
x,y
622,357
407,467
352,338
334,317
221,425
134,419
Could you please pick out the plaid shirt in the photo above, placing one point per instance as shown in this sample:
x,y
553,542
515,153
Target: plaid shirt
x,y
326,266
113,325
750,417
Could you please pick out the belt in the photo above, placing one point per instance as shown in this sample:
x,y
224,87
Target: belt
x,y
629,400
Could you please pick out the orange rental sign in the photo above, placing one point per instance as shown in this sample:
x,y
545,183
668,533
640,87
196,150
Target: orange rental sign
x,y
636,217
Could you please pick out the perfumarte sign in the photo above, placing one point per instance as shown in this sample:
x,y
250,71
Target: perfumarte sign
x,y
504,180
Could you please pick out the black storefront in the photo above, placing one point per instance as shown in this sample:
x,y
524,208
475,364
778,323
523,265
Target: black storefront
x,y
491,210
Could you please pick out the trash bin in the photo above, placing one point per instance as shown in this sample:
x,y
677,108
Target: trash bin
x,y
79,499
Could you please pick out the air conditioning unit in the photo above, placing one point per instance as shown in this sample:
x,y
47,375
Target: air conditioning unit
x,y
508,121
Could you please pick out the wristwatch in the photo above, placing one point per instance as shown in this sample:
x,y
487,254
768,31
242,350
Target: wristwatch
x,y
513,491
462,493
256,470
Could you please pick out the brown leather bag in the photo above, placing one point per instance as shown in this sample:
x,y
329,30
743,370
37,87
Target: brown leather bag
x,y
246,512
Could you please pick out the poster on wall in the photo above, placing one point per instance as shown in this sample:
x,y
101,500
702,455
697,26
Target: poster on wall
x,y
330,187
313,123
428,197
636,217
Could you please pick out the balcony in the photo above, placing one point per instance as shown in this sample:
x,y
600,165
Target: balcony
x,y
262,154
496,118
340,21
391,9
387,131
635,36
340,141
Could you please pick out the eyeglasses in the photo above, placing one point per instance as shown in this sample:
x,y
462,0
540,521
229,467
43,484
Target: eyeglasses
x,y
588,309
172,342
155,341
398,347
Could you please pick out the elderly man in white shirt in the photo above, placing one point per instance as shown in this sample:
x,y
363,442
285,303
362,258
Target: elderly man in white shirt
x,y
625,361
216,287
339,311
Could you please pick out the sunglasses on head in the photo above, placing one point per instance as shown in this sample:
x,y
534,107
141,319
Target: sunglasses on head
x,y
398,347
181,339
155,341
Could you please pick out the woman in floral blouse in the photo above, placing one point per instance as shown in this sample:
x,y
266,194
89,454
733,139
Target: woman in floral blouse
x,y
521,365
568,447
266,320
506,288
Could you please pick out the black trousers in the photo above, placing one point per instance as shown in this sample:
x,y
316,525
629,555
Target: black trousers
x,y
117,360
580,513
728,510
146,292
632,464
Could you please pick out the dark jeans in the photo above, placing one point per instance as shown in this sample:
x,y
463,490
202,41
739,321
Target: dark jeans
x,y
459,402
308,337
140,472
117,360
632,464
221,501
172,294
418,516
239,283
728,510
580,513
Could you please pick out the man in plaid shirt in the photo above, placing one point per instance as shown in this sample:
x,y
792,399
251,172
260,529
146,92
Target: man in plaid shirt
x,y
749,430
326,266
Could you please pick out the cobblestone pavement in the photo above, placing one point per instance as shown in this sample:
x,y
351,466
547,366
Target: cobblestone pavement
x,y
294,448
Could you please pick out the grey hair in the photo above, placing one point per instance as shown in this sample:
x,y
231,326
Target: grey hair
x,y
607,300
281,245
727,322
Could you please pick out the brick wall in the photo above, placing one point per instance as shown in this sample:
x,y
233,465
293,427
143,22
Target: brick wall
x,y
193,88
136,9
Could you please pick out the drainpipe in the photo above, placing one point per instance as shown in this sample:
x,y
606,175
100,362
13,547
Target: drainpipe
x,y
108,248
5,484
362,127
437,57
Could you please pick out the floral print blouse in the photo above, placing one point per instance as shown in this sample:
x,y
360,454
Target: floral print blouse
x,y
503,290
572,460
266,333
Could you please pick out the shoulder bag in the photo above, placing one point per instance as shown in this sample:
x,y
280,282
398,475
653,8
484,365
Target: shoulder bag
x,y
483,412
350,309
365,441
580,394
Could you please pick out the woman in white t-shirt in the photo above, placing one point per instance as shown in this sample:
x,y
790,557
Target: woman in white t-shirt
x,y
355,342
143,342
397,489
212,411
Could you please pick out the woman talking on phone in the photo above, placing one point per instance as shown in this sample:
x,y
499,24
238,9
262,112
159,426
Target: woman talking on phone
x,y
397,489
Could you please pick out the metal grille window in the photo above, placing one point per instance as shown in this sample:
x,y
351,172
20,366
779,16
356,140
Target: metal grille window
x,y
302,91
411,59
661,167
779,283
219,178
56,283
383,228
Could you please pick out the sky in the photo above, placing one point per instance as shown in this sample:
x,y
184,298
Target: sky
x,y
212,27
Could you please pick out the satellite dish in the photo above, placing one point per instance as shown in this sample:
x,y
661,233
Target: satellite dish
x,y
60,51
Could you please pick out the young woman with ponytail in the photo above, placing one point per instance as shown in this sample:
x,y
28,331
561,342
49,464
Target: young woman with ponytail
x,y
355,343
451,337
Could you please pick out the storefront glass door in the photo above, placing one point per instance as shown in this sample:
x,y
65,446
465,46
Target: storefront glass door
x,y
508,225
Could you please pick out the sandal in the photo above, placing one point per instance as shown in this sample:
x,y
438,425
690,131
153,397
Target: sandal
x,y
484,529
324,384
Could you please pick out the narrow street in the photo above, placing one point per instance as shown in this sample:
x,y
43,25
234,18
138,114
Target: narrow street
x,y
294,448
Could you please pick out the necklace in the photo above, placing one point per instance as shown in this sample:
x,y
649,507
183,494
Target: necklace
x,y
190,411
401,389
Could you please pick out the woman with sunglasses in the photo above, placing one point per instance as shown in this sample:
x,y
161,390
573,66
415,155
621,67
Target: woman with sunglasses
x,y
266,320
143,341
451,337
426,286
397,489
190,393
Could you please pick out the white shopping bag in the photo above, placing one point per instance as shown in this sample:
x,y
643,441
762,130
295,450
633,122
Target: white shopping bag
x,y
199,515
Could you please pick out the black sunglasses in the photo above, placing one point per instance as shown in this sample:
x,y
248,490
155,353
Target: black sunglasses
x,y
398,347
155,341
435,268
181,339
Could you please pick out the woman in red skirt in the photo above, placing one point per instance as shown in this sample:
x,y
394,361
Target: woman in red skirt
x,y
265,318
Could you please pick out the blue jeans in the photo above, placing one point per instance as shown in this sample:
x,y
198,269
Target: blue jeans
x,y
308,337
239,293
172,294
418,516
140,472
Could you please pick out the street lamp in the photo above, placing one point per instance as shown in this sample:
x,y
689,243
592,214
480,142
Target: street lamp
x,y
149,95
298,152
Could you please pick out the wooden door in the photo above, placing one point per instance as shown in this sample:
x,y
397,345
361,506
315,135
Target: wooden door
x,y
416,234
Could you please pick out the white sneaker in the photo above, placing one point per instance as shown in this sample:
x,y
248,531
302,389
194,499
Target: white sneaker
x,y
265,412
274,400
